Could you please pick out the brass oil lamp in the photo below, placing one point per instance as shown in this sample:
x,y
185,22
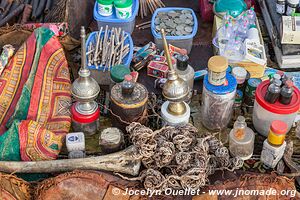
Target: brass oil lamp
x,y
85,89
174,111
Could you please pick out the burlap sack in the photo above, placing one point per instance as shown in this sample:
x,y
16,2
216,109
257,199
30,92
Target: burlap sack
x,y
13,188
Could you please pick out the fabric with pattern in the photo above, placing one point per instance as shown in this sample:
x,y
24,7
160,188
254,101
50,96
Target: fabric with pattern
x,y
35,97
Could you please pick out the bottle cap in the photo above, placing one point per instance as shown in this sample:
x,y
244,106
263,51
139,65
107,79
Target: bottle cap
x,y
279,127
105,2
118,72
123,3
218,63
277,82
182,62
75,142
128,78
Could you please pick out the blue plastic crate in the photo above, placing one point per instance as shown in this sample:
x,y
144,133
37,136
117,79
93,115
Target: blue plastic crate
x,y
112,21
185,42
126,61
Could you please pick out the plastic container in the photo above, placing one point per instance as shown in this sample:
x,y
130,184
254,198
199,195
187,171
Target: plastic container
x,y
105,7
88,124
217,103
240,74
123,8
217,66
112,21
101,76
265,113
277,133
184,42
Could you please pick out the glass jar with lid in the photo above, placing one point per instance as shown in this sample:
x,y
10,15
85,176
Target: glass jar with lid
x,y
217,66
217,103
88,124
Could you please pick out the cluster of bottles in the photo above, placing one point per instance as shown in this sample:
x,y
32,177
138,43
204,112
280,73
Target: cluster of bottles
x,y
288,7
235,31
280,88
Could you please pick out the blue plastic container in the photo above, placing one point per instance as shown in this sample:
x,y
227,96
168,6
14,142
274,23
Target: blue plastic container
x,y
184,42
101,76
112,21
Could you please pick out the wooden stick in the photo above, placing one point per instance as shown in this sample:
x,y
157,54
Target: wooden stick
x,y
12,14
122,162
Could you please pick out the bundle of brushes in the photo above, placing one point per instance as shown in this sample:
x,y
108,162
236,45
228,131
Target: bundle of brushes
x,y
149,6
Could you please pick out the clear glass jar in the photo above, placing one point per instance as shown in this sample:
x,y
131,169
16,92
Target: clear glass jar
x,y
88,124
217,104
280,6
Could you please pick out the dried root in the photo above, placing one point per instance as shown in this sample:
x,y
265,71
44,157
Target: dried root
x,y
177,158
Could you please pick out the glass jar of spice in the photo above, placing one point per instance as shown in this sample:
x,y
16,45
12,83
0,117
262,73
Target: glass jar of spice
x,y
217,66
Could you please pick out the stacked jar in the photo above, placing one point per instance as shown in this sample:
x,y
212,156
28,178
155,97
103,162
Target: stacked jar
x,y
123,8
219,89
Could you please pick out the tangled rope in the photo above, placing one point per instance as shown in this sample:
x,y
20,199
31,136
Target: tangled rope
x,y
178,158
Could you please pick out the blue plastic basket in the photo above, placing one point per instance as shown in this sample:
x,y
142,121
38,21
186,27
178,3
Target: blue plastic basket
x,y
112,21
126,61
185,41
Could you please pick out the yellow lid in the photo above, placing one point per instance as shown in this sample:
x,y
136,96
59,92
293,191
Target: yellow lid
x,y
218,64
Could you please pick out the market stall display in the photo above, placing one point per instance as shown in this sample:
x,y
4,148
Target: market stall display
x,y
158,113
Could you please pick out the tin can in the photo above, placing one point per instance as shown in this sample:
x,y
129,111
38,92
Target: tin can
x,y
249,96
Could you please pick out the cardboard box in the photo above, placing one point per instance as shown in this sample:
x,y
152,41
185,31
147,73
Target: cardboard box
x,y
256,70
290,30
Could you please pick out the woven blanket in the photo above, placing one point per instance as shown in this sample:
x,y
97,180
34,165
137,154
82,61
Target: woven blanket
x,y
35,98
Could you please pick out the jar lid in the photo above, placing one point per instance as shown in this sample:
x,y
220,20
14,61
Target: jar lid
x,y
105,2
218,63
279,127
228,87
118,72
239,73
84,119
293,1
277,107
123,3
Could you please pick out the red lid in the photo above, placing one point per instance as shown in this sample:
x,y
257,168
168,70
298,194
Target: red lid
x,y
279,127
84,119
277,107
128,77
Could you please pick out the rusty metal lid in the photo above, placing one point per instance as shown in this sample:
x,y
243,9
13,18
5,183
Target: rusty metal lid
x,y
138,98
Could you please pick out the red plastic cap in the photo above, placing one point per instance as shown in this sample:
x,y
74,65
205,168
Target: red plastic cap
x,y
128,77
279,127
277,107
84,119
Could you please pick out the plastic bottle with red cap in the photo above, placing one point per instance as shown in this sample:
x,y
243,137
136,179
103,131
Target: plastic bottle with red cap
x,y
274,145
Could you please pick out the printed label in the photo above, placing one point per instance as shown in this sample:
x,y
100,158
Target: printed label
x,y
105,10
290,11
280,8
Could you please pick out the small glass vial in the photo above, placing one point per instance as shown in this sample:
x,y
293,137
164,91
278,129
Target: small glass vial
x,y
274,145
291,7
186,72
127,86
273,92
241,140
286,93
280,6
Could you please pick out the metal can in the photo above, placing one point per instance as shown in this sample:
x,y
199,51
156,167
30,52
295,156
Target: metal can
x,y
250,89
